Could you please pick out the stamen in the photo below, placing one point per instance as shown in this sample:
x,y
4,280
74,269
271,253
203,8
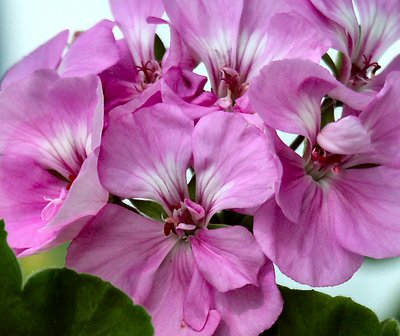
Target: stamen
x,y
168,228
323,162
185,220
71,178
231,85
151,72
359,75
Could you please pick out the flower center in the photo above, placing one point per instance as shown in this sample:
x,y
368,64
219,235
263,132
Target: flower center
x,y
149,73
185,219
230,87
323,163
360,74
54,204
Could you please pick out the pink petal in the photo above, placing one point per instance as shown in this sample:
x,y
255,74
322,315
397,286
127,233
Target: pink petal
x,y
184,83
149,97
198,301
379,28
130,16
251,309
47,56
186,90
294,184
127,253
291,104
197,108
146,155
341,27
342,13
345,136
210,29
137,257
85,198
282,36
367,211
227,258
382,122
167,297
119,80
32,188
307,251
23,186
178,54
196,210
93,51
234,163
52,120
183,226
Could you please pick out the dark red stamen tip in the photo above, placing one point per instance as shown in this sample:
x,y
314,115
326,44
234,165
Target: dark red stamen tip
x,y
168,228
71,178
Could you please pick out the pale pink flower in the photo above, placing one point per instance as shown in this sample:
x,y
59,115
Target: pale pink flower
x,y
340,201
235,39
49,186
138,73
363,30
193,280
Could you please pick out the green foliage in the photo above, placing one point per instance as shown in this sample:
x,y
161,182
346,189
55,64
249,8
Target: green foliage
x,y
63,302
331,64
159,48
309,313
390,327
149,209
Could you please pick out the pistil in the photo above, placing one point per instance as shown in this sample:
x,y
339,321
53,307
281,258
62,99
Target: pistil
x,y
323,163
360,75
149,72
185,219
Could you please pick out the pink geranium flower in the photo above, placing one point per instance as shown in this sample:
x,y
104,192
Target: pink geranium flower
x,y
193,280
363,30
49,186
137,74
235,39
340,201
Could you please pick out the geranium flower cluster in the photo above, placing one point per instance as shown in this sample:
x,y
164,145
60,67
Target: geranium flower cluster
x,y
88,128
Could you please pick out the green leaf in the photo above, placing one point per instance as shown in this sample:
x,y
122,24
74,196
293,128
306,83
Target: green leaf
x,y
327,112
390,327
339,65
192,187
159,48
331,64
10,274
63,302
309,313
149,209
